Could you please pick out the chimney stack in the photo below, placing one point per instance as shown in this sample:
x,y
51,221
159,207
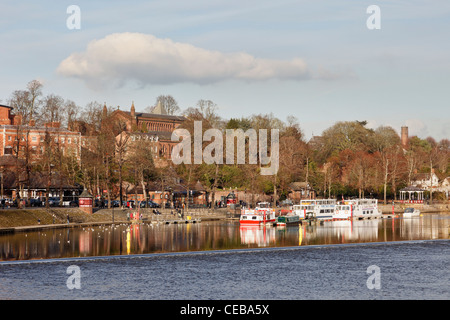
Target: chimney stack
x,y
404,137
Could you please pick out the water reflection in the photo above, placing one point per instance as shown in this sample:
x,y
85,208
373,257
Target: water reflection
x,y
260,236
153,238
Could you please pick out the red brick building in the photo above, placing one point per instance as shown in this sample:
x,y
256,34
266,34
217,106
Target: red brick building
x,y
158,120
6,117
156,127
28,139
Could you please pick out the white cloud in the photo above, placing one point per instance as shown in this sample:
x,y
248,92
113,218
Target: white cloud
x,y
143,58
417,127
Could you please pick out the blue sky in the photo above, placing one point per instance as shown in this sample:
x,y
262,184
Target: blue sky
x,y
315,60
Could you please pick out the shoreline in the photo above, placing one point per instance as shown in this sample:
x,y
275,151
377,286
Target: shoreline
x,y
36,219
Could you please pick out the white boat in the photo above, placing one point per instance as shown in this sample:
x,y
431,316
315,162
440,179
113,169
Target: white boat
x,y
324,209
343,211
411,212
262,214
357,208
300,210
305,209
321,209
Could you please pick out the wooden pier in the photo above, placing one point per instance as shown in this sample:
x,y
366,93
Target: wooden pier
x,y
173,221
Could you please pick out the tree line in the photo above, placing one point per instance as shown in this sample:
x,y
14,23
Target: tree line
x,y
348,159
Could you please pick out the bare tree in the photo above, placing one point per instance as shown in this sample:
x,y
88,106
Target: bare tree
x,y
386,142
121,144
24,103
142,162
35,91
70,112
52,108
208,110
169,104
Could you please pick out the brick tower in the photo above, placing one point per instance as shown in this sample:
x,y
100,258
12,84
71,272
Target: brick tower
x,y
404,137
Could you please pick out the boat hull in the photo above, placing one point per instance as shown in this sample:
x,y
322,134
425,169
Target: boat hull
x,y
257,219
287,220
258,216
256,222
411,214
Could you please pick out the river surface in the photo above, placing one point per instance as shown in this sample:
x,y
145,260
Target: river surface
x,y
407,259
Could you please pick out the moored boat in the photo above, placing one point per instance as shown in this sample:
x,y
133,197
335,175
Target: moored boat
x,y
305,209
261,215
357,208
324,209
320,209
288,219
343,211
411,212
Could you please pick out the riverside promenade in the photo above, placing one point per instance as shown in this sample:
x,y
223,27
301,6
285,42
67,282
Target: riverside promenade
x,y
35,219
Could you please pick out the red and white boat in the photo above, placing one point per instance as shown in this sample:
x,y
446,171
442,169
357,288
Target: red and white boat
x,y
261,215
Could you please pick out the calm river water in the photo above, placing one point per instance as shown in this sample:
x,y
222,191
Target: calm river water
x,y
222,260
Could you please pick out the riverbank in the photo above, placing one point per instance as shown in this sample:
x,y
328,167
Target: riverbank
x,y
424,208
18,220
12,220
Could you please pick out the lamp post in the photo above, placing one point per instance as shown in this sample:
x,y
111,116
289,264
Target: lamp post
x,y
171,198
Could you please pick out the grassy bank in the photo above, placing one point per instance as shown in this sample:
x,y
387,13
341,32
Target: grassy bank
x,y
10,218
28,217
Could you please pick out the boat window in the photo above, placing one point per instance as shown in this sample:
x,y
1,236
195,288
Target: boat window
x,y
254,218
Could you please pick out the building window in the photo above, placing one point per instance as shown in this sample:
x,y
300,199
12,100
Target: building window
x,y
9,138
34,138
69,140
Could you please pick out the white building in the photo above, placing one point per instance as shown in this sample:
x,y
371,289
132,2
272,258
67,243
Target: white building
x,y
423,180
